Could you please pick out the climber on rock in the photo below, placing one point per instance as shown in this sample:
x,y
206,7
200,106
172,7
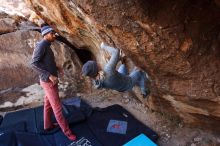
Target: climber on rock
x,y
43,62
110,78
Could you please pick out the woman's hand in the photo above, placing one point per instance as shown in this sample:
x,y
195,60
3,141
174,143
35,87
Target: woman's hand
x,y
53,79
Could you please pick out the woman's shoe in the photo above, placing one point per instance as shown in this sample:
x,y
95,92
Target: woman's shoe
x,y
70,135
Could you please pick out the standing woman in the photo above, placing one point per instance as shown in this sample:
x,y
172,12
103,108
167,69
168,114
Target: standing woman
x,y
44,63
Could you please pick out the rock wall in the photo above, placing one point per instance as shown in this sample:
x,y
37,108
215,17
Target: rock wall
x,y
176,42
16,49
17,42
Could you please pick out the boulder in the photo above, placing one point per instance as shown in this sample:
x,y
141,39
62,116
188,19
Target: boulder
x,y
16,51
174,41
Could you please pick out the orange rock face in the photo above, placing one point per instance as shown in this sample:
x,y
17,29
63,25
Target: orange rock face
x,y
177,43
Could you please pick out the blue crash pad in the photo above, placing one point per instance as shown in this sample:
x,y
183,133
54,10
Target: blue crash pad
x,y
140,140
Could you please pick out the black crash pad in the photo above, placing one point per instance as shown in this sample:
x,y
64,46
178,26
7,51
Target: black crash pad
x,y
100,118
1,118
24,127
33,118
7,134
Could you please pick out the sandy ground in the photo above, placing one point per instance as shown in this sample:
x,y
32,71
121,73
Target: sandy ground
x,y
172,132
